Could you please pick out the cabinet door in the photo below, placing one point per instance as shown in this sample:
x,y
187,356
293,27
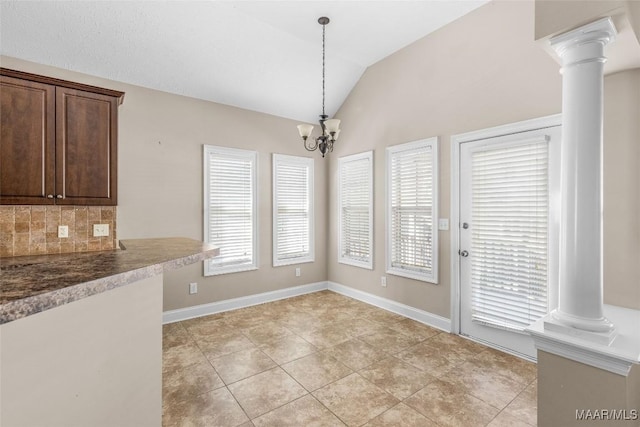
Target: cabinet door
x,y
86,148
27,142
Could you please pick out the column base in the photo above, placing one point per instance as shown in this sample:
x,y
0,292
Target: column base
x,y
599,331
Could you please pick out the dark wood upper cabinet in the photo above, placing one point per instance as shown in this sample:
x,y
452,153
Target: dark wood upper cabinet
x,y
58,141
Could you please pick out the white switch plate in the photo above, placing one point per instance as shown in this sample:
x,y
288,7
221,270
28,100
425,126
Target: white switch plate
x,y
297,271
100,230
63,231
193,288
383,281
443,224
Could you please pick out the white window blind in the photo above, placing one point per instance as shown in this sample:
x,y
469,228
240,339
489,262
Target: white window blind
x,y
412,236
509,239
292,210
355,200
230,205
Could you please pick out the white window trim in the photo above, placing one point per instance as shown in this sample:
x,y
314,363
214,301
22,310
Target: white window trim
x,y
425,277
252,156
341,162
309,163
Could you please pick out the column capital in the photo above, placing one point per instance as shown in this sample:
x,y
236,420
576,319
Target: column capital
x,y
602,31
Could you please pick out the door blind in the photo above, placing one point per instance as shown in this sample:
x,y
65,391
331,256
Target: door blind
x,y
230,208
412,211
293,209
356,209
509,235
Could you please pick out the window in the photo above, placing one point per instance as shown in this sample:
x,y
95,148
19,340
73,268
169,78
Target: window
x,y
412,194
355,204
292,210
230,209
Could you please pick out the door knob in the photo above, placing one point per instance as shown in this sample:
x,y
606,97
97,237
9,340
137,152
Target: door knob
x,y
465,225
463,253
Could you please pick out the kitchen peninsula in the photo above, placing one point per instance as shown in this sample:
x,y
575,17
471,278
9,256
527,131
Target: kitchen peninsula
x,y
81,334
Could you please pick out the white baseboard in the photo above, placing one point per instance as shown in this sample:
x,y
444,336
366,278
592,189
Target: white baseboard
x,y
236,303
421,316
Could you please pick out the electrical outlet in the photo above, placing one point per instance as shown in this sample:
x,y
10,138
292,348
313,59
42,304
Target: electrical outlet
x,y
100,230
193,288
383,281
297,271
63,231
443,224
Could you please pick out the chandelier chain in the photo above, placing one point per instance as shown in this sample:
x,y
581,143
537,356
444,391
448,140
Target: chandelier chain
x,y
323,50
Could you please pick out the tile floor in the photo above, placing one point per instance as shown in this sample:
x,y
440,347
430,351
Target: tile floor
x,y
327,360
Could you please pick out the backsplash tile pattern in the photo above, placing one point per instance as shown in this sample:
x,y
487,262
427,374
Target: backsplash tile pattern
x,y
33,230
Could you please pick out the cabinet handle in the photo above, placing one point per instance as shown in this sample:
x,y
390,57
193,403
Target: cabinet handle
x,y
59,196
49,196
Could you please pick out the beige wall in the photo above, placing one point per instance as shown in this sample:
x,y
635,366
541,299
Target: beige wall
x,y
93,362
557,16
565,386
480,71
622,189
160,180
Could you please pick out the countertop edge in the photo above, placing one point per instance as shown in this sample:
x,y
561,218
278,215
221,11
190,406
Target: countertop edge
x,y
15,310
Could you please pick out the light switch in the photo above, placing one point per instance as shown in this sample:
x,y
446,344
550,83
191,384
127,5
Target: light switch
x,y
443,224
100,230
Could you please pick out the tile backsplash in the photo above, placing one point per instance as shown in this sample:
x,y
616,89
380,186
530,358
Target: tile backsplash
x,y
33,230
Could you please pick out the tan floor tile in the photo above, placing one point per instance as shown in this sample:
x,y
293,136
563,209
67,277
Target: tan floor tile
x,y
247,424
357,326
266,391
401,416
396,377
208,327
326,337
483,383
266,333
289,348
355,400
245,320
225,344
300,322
464,347
506,420
525,406
189,381
174,334
511,366
383,317
389,340
181,356
445,404
414,329
430,359
304,412
356,354
242,364
216,408
316,370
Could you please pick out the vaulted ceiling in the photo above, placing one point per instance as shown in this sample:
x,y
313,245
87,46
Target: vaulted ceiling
x,y
258,55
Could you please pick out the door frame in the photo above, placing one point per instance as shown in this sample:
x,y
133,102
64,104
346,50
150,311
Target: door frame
x,y
456,141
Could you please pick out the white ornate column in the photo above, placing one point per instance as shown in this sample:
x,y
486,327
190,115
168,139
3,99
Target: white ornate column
x,y
581,259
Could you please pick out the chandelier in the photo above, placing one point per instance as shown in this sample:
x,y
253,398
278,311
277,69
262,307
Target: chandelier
x,y
329,128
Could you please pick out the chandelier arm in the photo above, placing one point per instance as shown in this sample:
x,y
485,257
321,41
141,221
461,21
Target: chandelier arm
x,y
311,146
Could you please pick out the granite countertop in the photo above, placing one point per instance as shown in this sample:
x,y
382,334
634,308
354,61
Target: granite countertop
x,y
31,284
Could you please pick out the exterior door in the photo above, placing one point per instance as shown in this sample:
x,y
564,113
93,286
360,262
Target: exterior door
x,y
509,191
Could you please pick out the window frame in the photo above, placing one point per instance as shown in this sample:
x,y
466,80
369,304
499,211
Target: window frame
x,y
309,163
342,259
252,156
391,151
